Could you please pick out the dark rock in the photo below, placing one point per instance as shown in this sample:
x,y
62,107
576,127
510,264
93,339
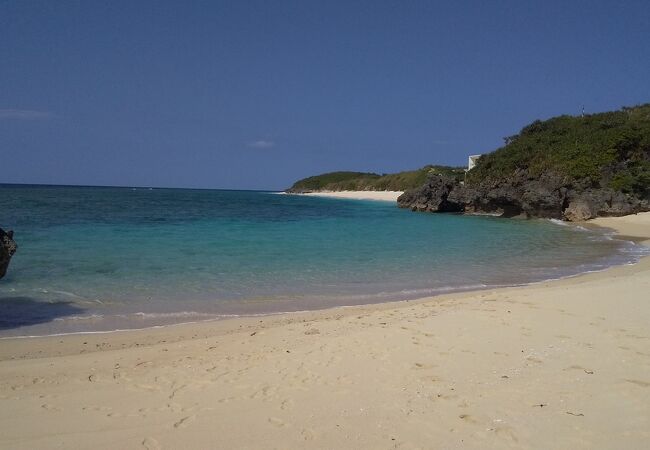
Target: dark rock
x,y
7,249
433,196
521,195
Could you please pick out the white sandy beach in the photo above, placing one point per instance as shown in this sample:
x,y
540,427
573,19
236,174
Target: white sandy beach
x,y
556,365
359,195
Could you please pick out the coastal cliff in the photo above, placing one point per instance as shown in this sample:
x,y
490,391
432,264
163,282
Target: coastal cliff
x,y
548,196
571,168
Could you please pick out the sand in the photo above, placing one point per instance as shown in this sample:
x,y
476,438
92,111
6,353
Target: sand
x,y
556,365
390,196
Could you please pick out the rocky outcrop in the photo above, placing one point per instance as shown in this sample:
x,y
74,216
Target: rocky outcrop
x,y
7,249
518,196
546,196
433,196
592,203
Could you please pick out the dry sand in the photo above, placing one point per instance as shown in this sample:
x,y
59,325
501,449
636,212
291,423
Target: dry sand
x,y
556,365
390,196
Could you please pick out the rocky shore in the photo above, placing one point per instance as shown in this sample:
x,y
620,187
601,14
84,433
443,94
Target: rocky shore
x,y
548,196
567,167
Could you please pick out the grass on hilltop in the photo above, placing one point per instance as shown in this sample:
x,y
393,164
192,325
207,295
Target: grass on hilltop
x,y
362,181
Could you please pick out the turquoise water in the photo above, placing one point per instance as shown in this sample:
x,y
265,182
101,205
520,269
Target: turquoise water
x,y
94,259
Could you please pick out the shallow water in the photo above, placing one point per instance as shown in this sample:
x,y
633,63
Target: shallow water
x,y
93,259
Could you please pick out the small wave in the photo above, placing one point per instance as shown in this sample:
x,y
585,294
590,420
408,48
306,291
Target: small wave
x,y
69,294
173,315
438,290
564,223
79,318
559,222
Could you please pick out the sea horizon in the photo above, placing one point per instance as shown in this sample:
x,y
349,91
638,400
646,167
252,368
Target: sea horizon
x,y
132,187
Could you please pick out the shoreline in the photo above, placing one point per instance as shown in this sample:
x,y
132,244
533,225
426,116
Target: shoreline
x,y
464,369
266,315
396,299
633,233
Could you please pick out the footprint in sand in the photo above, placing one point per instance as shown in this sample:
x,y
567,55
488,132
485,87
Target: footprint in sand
x,y
184,421
506,432
467,418
286,404
576,367
151,444
307,434
49,407
277,422
175,391
422,366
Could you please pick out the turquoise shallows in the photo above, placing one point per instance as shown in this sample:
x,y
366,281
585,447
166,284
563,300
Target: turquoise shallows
x,y
93,259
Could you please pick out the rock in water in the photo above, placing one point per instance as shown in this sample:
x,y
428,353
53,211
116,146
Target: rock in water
x,y
7,249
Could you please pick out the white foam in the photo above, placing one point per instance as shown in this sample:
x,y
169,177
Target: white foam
x,y
172,315
79,318
564,223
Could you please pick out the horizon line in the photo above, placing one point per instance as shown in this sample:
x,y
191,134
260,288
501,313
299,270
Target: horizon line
x,y
2,184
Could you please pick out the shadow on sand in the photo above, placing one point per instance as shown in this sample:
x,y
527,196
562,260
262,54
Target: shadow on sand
x,y
23,311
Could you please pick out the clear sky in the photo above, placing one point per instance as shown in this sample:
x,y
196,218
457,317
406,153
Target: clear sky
x,y
256,94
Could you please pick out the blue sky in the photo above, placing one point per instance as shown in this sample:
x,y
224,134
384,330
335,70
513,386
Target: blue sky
x,y
253,95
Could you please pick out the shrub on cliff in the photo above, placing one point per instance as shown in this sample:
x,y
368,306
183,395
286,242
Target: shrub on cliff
x,y
610,149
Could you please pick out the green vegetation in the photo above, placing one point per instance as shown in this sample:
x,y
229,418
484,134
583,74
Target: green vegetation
x,y
610,149
326,180
605,150
360,181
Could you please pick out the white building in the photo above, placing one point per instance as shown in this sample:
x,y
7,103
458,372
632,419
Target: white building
x,y
473,159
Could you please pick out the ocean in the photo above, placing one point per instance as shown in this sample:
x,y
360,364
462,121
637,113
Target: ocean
x,y
102,258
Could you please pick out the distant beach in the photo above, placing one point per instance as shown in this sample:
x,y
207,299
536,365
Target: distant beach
x,y
358,195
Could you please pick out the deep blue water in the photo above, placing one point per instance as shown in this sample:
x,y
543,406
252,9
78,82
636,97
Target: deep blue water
x,y
105,258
